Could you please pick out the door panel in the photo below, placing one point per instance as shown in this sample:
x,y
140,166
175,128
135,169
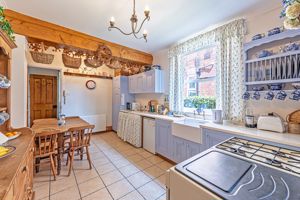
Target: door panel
x,y
43,97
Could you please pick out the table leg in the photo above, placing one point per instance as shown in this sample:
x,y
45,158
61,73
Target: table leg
x,y
59,152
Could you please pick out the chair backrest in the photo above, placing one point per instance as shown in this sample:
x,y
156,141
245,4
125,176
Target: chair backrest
x,y
45,142
80,136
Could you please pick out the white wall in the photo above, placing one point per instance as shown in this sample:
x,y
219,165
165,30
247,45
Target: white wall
x,y
19,84
256,23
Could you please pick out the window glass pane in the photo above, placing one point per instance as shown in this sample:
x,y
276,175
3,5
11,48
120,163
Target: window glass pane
x,y
200,79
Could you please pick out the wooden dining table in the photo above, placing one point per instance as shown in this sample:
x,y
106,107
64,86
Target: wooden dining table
x,y
51,124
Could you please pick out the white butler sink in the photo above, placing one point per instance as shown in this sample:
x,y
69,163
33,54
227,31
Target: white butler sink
x,y
188,129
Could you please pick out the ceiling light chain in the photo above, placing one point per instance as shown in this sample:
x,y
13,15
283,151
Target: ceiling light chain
x,y
134,25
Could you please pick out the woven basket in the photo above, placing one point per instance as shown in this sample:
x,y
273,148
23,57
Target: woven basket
x,y
94,63
71,62
293,120
40,57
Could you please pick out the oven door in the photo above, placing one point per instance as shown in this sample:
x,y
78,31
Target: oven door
x,y
180,187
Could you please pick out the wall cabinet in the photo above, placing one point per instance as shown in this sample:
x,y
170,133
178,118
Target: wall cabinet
x,y
120,96
163,138
147,82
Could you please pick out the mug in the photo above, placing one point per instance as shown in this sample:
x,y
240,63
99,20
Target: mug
x,y
270,96
281,95
246,96
256,95
2,120
217,116
296,95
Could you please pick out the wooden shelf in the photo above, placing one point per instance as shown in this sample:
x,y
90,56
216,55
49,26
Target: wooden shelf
x,y
286,54
293,80
2,109
86,75
268,39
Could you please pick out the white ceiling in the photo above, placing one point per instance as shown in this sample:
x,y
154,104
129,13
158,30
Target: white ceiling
x,y
171,20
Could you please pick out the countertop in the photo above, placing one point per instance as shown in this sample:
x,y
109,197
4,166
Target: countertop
x,y
9,166
154,115
281,138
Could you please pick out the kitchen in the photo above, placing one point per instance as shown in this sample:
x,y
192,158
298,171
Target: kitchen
x,y
206,111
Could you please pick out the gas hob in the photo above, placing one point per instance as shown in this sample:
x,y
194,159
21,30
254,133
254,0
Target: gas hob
x,y
242,169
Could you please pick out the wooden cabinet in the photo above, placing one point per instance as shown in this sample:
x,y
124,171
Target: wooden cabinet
x,y
17,181
147,82
163,138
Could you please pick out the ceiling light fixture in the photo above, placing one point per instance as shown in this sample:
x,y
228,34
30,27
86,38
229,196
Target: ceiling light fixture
x,y
134,25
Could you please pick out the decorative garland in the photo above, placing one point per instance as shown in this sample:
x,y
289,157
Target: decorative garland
x,y
5,25
291,12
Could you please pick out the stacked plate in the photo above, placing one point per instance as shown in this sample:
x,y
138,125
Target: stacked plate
x,y
4,82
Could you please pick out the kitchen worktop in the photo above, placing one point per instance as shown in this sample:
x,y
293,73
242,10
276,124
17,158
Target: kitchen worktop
x,y
154,115
281,138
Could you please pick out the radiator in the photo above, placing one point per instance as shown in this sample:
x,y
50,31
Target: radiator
x,y
98,120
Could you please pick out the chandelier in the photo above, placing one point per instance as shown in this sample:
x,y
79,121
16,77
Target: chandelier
x,y
134,24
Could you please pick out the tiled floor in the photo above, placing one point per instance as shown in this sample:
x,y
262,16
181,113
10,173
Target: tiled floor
x,y
120,171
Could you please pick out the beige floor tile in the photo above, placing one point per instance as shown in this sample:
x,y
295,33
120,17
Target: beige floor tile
x,y
155,159
164,165
143,164
90,186
139,179
102,194
133,196
154,172
151,191
146,154
129,170
62,184
104,169
100,161
41,192
120,189
161,180
135,158
112,177
85,175
129,152
163,197
81,164
71,193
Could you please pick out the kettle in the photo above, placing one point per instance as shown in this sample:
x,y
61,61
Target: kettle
x,y
217,116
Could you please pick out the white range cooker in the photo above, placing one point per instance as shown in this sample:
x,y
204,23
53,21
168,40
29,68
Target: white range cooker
x,y
237,169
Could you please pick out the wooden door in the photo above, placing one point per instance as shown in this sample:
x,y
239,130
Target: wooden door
x,y
43,97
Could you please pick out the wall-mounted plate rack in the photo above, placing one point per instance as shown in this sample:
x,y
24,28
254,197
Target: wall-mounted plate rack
x,y
280,68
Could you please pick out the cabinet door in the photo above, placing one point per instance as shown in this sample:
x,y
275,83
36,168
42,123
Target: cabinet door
x,y
213,138
163,140
140,83
179,150
192,149
150,81
133,84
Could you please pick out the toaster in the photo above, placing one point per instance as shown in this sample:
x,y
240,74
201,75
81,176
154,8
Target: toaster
x,y
271,123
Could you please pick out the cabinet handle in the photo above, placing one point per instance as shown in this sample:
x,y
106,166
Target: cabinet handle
x,y
24,169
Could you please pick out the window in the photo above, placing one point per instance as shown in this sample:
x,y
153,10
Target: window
x,y
200,80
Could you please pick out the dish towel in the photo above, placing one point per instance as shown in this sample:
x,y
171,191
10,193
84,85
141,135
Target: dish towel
x,y
130,128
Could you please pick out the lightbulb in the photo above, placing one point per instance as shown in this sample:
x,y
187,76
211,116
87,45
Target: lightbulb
x,y
145,33
112,19
112,22
147,11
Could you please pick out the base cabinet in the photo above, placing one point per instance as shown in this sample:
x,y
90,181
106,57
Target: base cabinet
x,y
184,149
213,138
163,138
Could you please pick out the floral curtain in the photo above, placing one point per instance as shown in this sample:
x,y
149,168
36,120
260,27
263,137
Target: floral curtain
x,y
230,70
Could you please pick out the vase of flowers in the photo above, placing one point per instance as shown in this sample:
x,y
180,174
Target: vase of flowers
x,y
291,12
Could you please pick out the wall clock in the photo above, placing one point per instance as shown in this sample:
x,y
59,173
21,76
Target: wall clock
x,y
90,84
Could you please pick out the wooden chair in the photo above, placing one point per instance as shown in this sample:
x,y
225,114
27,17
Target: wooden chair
x,y
45,146
79,139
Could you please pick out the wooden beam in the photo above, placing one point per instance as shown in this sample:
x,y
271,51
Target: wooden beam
x,y
39,29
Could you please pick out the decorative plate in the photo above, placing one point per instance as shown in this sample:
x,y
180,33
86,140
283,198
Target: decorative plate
x,y
11,149
90,84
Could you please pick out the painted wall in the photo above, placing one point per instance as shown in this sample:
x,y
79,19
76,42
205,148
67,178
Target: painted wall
x,y
256,23
19,84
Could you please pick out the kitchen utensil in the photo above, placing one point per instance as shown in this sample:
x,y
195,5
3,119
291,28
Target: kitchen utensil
x,y
281,95
217,116
271,123
258,36
270,96
11,149
250,121
256,95
275,31
293,120
246,96
3,138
